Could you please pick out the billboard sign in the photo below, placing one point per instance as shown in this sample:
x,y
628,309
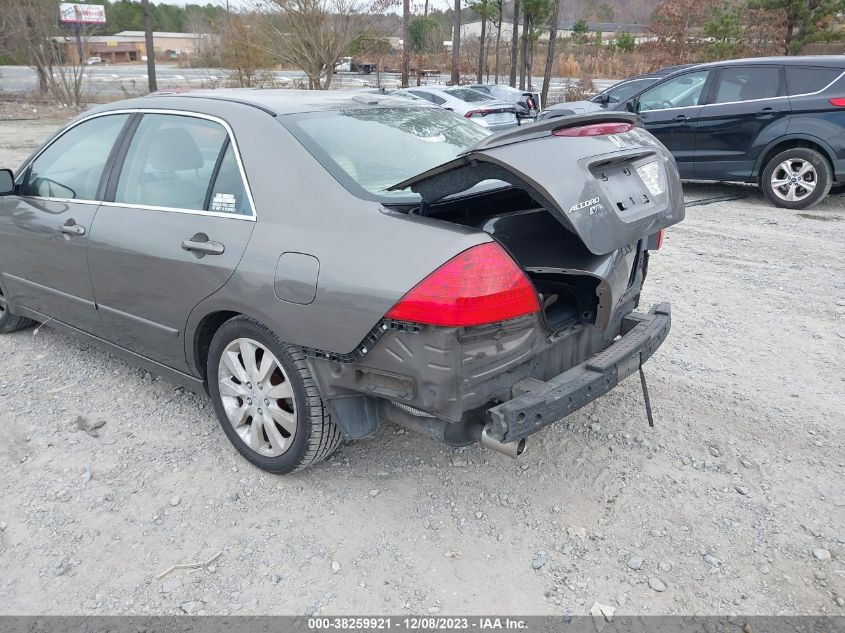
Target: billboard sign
x,y
81,14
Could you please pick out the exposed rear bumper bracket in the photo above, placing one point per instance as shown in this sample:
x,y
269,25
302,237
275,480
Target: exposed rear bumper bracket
x,y
537,404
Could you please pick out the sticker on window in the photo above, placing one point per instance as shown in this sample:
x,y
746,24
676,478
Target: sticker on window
x,y
225,202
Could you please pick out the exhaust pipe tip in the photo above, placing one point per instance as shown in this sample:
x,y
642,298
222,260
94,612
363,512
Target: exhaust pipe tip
x,y
511,449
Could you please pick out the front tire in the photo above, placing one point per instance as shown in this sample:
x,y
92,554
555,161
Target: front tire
x,y
266,399
797,178
8,321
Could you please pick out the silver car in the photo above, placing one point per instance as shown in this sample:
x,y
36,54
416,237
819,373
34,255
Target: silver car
x,y
322,262
484,110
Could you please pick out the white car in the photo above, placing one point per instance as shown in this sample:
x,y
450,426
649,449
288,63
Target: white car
x,y
93,61
479,108
527,103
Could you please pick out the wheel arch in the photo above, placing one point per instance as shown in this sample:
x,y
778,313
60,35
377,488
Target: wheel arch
x,y
789,142
203,333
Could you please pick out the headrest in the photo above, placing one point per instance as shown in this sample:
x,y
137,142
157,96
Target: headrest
x,y
173,149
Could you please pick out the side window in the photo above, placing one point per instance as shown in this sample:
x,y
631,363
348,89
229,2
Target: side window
x,y
170,162
229,193
679,92
744,83
804,79
73,165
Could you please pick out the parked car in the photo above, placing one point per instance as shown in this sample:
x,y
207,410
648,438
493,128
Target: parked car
x,y
778,122
479,108
527,104
411,267
617,93
93,60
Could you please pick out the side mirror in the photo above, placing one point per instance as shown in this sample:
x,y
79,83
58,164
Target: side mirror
x,y
7,182
632,105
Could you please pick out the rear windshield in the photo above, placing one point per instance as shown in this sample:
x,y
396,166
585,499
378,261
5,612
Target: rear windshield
x,y
803,79
468,95
371,149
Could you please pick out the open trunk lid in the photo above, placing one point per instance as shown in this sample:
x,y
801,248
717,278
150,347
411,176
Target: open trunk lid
x,y
610,190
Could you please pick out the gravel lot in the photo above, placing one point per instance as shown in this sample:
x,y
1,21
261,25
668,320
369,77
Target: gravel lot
x,y
734,503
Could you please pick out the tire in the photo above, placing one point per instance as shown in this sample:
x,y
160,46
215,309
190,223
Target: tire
x,y
272,411
796,169
8,321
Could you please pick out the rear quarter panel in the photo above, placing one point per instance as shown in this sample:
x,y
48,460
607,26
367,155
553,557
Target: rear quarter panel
x,y
368,256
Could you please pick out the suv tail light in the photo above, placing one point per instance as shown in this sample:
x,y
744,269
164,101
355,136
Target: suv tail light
x,y
595,129
481,285
839,102
530,103
472,113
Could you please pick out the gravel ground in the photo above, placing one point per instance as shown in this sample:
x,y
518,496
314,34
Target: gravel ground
x,y
734,503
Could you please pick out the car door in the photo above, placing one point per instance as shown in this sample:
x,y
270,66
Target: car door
x,y
670,111
174,225
44,229
746,110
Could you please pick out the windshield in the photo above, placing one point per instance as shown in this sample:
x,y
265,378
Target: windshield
x,y
371,149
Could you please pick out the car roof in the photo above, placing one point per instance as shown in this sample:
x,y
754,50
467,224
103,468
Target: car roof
x,y
277,101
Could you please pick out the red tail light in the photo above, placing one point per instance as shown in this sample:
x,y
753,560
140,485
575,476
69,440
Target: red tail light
x,y
659,240
595,129
472,113
481,285
839,102
530,103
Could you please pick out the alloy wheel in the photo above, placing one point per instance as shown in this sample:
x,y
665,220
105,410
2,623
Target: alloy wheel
x,y
257,396
794,179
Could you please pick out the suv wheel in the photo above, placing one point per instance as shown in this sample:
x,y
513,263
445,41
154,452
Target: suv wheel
x,y
266,400
797,178
8,321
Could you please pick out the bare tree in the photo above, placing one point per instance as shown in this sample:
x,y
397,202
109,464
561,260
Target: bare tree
x,y
456,43
406,41
550,55
514,43
314,34
496,19
48,48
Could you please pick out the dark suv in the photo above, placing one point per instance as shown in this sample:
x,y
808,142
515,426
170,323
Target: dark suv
x,y
775,121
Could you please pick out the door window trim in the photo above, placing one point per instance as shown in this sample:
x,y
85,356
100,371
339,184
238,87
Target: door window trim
x,y
124,138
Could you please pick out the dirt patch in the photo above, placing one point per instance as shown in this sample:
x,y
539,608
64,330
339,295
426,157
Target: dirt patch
x,y
733,503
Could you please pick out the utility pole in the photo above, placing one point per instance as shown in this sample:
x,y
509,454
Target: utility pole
x,y
151,52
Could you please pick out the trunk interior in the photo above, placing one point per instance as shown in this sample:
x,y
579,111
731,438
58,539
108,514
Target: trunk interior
x,y
575,286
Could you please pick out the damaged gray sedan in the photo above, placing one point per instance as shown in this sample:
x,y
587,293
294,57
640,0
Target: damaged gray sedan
x,y
320,263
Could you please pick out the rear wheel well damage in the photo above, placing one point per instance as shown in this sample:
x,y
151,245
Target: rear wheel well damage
x,y
205,331
794,143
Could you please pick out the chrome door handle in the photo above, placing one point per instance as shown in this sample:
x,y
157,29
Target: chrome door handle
x,y
72,229
680,118
206,248
765,113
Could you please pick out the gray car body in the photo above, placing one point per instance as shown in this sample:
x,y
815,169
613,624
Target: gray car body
x,y
316,264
